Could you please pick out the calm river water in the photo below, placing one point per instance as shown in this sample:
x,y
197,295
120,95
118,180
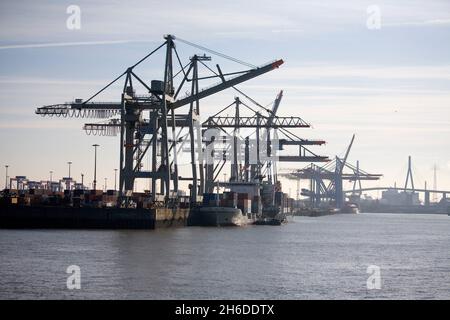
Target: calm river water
x,y
308,258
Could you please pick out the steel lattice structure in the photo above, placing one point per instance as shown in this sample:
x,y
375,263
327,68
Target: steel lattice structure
x,y
267,130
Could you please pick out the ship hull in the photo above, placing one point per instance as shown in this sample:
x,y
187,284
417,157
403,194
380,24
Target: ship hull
x,y
59,217
217,217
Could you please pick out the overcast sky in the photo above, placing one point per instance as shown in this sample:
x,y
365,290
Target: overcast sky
x,y
390,86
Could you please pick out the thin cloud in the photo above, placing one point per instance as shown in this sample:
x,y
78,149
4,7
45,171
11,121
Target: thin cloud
x,y
51,81
69,44
435,22
36,124
441,72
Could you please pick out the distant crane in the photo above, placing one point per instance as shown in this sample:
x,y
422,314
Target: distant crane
x,y
326,182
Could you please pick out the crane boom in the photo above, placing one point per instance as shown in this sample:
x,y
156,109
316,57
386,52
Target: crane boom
x,y
226,84
344,160
276,104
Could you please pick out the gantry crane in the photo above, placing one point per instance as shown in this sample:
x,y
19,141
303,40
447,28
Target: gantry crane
x,y
148,120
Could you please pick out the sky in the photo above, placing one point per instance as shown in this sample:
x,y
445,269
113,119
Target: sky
x,y
346,72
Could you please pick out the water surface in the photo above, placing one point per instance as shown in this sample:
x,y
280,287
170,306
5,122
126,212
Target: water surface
x,y
308,258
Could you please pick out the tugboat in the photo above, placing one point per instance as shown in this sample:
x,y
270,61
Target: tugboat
x,y
350,208
319,212
268,222
272,216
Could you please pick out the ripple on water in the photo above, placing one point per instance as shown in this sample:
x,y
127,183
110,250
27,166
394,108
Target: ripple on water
x,y
309,258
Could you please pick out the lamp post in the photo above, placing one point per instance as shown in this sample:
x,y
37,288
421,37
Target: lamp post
x,y
68,186
95,166
82,181
115,179
51,180
69,163
224,180
6,176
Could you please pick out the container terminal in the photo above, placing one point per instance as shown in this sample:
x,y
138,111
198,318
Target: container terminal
x,y
156,121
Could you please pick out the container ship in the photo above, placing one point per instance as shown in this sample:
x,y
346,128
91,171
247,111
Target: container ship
x,y
245,203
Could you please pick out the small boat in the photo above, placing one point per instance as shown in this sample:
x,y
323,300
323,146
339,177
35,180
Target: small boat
x,y
268,222
319,212
350,208
271,216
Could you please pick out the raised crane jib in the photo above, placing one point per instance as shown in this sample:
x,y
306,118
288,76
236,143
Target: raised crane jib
x,y
275,106
253,73
344,160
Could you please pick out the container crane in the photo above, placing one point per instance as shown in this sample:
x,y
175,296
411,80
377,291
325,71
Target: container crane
x,y
263,124
147,120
